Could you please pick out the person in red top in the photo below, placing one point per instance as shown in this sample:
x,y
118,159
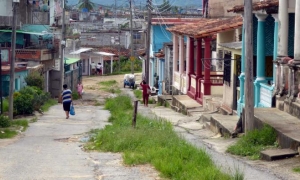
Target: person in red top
x,y
145,88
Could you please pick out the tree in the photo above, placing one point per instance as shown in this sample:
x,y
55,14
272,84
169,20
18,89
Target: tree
x,y
87,4
165,7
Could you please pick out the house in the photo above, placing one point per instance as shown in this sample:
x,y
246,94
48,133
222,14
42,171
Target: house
x,y
159,36
20,73
265,40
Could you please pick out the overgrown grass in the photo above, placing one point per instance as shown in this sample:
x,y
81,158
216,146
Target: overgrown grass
x,y
138,93
296,169
110,86
7,133
154,142
5,105
14,126
253,142
51,102
75,96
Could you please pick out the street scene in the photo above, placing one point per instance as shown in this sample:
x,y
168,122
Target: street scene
x,y
93,89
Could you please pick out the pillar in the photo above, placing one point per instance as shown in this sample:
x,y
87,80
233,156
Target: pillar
x,y
242,75
175,55
181,54
275,49
282,48
191,61
261,57
207,65
199,66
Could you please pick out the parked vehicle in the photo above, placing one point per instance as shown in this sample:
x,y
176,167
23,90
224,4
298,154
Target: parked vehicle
x,y
129,80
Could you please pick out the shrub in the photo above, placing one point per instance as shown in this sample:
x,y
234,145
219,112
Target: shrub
x,y
35,79
5,105
4,121
30,99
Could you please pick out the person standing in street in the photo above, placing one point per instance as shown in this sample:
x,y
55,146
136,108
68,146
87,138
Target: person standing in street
x,y
146,89
80,89
93,67
66,99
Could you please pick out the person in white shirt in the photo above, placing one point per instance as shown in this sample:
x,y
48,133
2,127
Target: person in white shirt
x,y
99,68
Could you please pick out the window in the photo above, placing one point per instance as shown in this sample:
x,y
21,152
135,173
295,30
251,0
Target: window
x,y
136,36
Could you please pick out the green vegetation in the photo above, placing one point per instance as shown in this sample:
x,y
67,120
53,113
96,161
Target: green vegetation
x,y
75,96
138,93
110,86
153,142
35,79
253,142
296,169
51,102
8,129
5,105
29,99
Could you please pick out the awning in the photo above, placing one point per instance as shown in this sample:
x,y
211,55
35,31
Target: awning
x,y
232,45
22,32
81,50
104,53
69,61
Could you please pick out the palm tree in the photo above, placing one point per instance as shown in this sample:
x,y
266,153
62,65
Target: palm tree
x,y
87,4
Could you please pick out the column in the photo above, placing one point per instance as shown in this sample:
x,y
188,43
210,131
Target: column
x,y
181,54
275,49
283,35
294,83
175,55
160,77
191,61
283,28
207,65
199,67
261,57
242,75
187,66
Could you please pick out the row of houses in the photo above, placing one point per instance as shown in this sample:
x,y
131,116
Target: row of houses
x,y
207,58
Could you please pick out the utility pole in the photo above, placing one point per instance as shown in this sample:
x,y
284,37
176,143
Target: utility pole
x,y
1,88
119,47
131,39
62,46
148,32
12,61
249,104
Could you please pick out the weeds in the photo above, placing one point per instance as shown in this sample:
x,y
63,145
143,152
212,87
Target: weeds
x,y
75,96
296,169
110,86
7,133
8,128
253,142
5,105
108,83
154,142
46,106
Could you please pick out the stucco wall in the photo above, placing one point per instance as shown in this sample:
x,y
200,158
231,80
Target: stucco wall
x,y
218,8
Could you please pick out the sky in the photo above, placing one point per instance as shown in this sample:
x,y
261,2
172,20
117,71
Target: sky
x,y
182,3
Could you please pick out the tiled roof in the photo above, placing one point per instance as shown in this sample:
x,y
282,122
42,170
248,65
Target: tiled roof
x,y
173,21
208,27
256,6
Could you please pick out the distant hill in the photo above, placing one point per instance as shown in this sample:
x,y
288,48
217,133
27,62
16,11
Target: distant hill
x,y
181,3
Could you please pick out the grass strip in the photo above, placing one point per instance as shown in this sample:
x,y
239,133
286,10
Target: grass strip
x,y
46,106
153,142
253,142
110,86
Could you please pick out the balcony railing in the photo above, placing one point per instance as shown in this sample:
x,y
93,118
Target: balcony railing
x,y
35,54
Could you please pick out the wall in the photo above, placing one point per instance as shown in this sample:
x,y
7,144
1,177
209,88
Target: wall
x,y
160,36
218,8
19,82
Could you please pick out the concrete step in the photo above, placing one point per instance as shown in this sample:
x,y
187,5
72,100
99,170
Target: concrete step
x,y
195,111
223,124
276,154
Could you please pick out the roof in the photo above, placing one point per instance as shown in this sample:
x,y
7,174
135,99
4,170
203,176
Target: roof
x,y
104,53
173,21
256,6
22,32
208,27
81,50
232,45
69,61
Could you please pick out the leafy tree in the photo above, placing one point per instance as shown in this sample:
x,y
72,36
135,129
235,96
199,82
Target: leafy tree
x,y
88,4
165,7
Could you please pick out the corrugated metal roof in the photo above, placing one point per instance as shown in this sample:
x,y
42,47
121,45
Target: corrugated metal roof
x,y
256,6
232,45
